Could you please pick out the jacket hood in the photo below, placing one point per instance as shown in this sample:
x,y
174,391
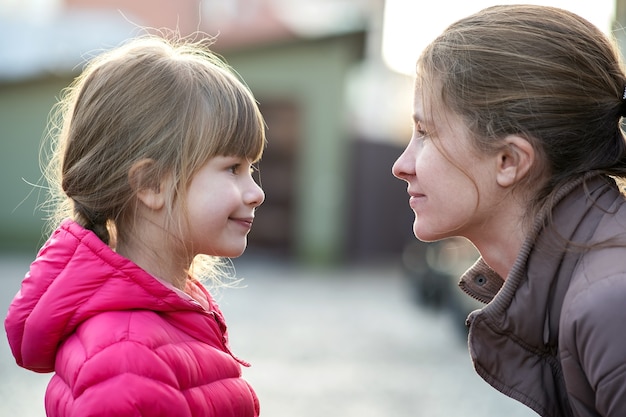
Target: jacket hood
x,y
74,277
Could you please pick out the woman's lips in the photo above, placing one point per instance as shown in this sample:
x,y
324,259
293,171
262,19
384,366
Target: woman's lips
x,y
415,199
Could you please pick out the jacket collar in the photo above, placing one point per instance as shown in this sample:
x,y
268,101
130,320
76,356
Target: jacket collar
x,y
483,283
513,339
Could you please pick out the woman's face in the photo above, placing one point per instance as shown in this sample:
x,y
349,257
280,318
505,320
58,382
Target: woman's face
x,y
451,186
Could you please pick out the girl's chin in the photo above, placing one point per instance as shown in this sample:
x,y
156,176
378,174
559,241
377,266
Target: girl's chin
x,y
228,252
235,252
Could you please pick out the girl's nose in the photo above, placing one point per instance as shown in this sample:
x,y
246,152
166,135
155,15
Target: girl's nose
x,y
255,196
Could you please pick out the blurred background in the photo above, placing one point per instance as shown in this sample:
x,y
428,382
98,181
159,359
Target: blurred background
x,y
334,82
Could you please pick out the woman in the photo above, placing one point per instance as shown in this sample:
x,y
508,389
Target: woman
x,y
517,147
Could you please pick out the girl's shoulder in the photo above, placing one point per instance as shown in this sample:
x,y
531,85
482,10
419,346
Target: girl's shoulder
x,y
147,328
144,343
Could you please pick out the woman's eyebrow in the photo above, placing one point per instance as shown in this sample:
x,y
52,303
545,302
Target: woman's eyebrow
x,y
418,115
419,118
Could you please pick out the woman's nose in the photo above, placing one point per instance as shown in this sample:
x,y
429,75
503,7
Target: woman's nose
x,y
404,165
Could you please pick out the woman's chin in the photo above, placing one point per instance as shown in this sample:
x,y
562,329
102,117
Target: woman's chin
x,y
428,235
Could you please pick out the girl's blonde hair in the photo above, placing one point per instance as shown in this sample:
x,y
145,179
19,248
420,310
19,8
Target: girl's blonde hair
x,y
171,101
540,72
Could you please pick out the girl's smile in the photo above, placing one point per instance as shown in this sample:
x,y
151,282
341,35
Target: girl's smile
x,y
243,222
222,193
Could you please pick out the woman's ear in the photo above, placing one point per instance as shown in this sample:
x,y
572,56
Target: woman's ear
x,y
514,160
146,185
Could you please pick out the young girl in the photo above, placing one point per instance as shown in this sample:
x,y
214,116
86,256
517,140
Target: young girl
x,y
154,162
516,147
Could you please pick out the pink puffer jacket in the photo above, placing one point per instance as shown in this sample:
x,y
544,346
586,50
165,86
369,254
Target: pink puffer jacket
x,y
121,343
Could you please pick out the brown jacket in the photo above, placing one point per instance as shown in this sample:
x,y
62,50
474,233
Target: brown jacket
x,y
553,335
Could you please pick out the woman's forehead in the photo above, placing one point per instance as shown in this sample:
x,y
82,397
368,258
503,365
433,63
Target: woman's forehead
x,y
423,107
433,115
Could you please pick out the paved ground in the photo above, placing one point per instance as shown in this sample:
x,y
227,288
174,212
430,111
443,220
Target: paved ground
x,y
339,342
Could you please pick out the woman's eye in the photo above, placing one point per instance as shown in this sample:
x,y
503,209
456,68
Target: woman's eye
x,y
420,136
234,169
420,132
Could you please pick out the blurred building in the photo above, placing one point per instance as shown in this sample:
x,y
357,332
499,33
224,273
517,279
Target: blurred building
x,y
331,106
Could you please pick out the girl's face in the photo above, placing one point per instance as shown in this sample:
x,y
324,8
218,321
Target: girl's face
x,y
450,185
221,202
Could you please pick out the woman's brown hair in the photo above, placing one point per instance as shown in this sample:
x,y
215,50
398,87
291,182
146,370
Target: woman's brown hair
x,y
540,72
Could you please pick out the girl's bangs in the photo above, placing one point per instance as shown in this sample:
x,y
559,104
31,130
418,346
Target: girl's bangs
x,y
245,137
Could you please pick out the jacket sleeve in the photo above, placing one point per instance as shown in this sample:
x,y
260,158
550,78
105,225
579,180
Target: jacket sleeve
x,y
594,347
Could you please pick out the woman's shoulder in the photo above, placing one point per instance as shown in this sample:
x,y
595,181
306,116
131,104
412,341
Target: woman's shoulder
x,y
598,283
597,289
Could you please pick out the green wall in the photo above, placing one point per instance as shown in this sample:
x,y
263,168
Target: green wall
x,y
24,109
313,73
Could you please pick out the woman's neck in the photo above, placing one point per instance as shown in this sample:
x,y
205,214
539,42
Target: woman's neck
x,y
500,241
501,256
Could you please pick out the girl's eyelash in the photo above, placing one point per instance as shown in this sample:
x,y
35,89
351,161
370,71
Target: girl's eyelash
x,y
235,168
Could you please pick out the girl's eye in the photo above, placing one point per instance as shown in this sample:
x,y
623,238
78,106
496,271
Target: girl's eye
x,y
253,169
238,168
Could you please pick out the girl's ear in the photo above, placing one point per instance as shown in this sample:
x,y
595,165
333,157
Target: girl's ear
x,y
146,185
514,160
